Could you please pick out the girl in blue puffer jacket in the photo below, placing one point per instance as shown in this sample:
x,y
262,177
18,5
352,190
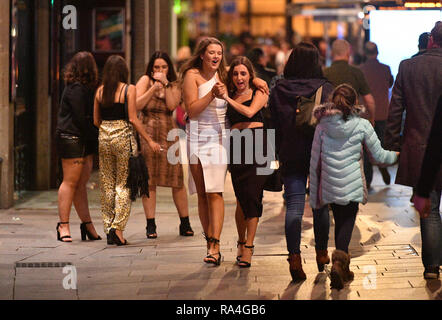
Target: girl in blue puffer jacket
x,y
337,171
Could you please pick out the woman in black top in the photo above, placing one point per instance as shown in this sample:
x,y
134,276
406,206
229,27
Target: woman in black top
x,y
77,141
116,140
244,115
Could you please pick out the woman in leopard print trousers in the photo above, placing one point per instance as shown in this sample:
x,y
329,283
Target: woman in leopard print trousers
x,y
115,140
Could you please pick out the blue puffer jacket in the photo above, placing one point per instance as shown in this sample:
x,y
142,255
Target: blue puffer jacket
x,y
336,165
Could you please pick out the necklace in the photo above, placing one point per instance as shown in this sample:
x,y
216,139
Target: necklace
x,y
243,93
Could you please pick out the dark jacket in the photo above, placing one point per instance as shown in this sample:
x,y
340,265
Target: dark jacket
x,y
380,80
433,156
75,115
416,90
293,146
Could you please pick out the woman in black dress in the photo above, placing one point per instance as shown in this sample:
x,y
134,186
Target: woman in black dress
x,y
77,141
245,103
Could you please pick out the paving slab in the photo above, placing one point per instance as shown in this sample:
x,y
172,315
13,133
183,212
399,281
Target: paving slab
x,y
385,250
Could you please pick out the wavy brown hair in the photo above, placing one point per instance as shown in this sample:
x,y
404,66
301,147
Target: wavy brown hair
x,y
115,71
345,98
82,68
195,61
236,62
171,74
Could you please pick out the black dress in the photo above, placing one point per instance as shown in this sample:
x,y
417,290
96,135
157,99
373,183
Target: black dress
x,y
247,183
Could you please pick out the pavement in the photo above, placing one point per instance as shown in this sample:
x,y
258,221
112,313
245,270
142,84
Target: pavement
x,y
385,250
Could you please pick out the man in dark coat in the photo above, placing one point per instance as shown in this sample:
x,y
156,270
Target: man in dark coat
x,y
380,80
416,90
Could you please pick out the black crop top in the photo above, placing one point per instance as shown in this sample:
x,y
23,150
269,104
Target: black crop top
x,y
236,117
114,112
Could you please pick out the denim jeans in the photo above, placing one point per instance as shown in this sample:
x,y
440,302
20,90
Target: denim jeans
x,y
431,234
294,195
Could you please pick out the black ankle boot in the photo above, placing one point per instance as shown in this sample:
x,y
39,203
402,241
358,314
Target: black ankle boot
x,y
151,229
185,228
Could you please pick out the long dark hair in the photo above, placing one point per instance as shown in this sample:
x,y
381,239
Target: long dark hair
x,y
345,98
236,62
303,62
115,71
171,74
82,68
196,62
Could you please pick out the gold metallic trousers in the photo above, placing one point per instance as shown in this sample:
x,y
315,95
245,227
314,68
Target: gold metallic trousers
x,y
115,139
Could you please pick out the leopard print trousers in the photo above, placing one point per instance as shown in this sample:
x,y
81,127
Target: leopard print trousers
x,y
115,140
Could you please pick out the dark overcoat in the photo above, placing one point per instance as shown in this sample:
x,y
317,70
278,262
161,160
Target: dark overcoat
x,y
416,91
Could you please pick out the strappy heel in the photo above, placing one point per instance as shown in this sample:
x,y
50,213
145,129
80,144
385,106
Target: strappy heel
x,y
245,264
85,232
58,233
210,257
116,239
239,243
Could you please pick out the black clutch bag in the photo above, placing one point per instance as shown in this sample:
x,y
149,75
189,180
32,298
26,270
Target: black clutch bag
x,y
138,177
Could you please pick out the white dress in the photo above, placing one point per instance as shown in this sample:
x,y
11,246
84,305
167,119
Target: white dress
x,y
206,141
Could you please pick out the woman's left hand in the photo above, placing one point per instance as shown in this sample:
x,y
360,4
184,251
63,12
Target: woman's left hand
x,y
261,85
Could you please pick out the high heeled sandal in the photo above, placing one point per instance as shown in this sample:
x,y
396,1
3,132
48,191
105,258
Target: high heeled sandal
x,y
85,232
151,229
210,257
245,264
239,243
64,237
116,239
185,228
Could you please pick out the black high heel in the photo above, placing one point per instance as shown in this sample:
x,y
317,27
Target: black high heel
x,y
210,257
58,233
85,232
151,229
239,243
245,264
116,239
185,228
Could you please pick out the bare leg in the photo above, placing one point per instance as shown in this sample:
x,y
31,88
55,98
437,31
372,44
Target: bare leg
x,y
252,225
216,220
80,198
180,198
241,225
72,169
150,204
203,206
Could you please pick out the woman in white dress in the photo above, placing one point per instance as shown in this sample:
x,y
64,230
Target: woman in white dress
x,y
204,76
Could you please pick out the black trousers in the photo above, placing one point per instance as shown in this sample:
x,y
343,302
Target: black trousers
x,y
345,218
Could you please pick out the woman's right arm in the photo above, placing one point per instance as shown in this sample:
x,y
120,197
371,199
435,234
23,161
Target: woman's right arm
x,y
194,106
132,113
144,93
97,116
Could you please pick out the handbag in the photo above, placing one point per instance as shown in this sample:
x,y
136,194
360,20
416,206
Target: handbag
x,y
138,177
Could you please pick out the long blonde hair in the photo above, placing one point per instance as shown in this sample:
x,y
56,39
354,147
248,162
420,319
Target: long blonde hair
x,y
195,61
